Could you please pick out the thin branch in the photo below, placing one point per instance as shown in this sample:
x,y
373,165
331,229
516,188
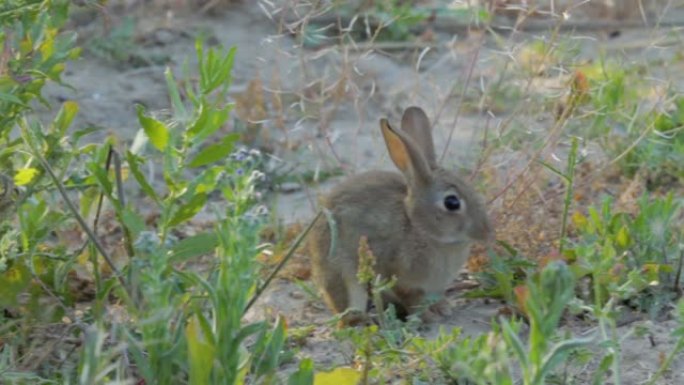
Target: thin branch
x,y
678,276
128,242
282,263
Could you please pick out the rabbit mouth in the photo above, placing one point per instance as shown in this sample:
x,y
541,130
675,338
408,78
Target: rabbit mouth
x,y
451,239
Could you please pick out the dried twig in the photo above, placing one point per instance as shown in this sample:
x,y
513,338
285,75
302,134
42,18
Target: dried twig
x,y
448,24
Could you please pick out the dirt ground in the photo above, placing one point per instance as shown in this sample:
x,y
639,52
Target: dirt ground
x,y
330,99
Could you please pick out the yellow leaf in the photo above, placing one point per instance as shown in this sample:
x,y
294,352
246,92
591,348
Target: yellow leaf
x,y
47,48
201,353
156,131
339,376
12,283
579,220
622,237
125,172
24,176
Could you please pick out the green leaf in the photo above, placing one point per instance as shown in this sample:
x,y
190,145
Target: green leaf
x,y
11,99
215,68
138,356
558,354
201,353
215,152
25,176
209,119
103,180
248,331
514,343
508,247
133,221
155,130
194,246
198,124
554,170
189,210
65,116
604,366
178,107
134,166
78,134
304,375
268,351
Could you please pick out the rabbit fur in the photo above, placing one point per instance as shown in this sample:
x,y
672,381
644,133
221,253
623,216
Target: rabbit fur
x,y
419,224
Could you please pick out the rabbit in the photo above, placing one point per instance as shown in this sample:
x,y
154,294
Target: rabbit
x,y
418,223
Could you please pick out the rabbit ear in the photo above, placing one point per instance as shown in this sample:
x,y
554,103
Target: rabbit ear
x,y
406,155
417,125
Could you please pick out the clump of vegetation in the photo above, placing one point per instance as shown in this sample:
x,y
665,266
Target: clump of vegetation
x,y
148,320
643,135
630,257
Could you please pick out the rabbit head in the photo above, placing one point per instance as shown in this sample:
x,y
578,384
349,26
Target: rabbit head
x,y
440,205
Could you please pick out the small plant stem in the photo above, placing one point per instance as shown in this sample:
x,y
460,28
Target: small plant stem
x,y
377,301
367,360
282,263
617,376
128,242
668,361
603,327
100,201
98,210
469,76
570,179
555,131
635,143
678,276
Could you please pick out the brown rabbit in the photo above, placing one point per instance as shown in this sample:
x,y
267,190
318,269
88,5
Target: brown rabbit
x,y
419,224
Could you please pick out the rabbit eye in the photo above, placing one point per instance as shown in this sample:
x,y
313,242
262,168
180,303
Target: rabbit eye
x,y
452,203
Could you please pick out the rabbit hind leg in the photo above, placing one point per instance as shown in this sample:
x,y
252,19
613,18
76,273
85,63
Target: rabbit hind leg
x,y
334,291
345,296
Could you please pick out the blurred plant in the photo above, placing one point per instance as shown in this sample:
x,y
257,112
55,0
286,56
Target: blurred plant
x,y
34,53
396,20
118,46
492,358
678,346
173,322
638,139
502,274
629,257
543,301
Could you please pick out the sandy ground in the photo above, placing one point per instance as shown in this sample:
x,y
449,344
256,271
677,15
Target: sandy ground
x,y
319,134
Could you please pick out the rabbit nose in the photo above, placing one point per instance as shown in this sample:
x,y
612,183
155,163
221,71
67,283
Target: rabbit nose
x,y
482,231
